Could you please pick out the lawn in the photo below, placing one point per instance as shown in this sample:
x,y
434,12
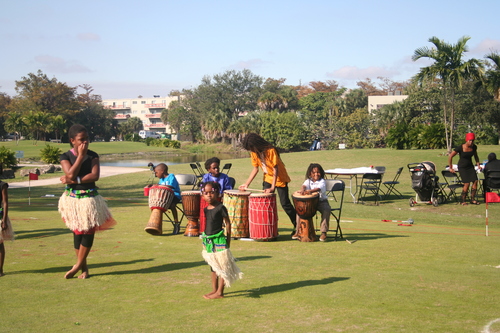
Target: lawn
x,y
439,275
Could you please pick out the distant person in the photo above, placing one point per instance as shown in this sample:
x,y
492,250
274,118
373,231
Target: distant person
x,y
466,168
318,144
168,179
6,233
264,155
212,165
82,208
314,145
492,165
216,241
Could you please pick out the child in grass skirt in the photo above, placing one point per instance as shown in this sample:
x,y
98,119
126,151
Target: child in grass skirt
x,y
6,231
216,244
82,209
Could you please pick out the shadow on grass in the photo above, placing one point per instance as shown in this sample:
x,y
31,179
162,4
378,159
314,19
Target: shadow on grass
x,y
278,288
41,233
61,269
168,267
367,236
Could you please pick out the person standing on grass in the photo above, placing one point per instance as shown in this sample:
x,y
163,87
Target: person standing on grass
x,y
216,242
81,207
6,232
466,168
264,155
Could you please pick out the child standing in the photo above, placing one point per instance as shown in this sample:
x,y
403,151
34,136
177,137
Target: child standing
x,y
264,155
82,209
216,244
315,182
6,232
168,179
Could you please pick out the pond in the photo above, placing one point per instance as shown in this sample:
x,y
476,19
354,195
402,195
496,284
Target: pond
x,y
142,160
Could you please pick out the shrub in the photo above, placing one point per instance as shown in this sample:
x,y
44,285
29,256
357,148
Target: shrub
x,y
7,158
50,154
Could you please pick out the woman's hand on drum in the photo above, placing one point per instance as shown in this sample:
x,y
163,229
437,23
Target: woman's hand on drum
x,y
243,187
269,190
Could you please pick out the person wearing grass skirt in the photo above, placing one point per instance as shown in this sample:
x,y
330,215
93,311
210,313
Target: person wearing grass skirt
x,y
6,231
216,242
81,207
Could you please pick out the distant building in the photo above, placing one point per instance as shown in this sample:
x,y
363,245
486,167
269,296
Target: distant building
x,y
147,109
377,102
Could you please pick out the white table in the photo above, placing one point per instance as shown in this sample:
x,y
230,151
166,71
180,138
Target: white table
x,y
350,174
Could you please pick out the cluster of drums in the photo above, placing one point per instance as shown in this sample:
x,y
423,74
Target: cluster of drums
x,y
252,215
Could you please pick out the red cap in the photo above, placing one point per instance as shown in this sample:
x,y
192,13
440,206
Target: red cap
x,y
470,136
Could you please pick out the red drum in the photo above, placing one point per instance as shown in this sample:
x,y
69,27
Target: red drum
x,y
160,199
263,216
191,205
203,219
306,206
236,203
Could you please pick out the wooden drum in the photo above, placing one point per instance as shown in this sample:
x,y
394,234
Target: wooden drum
x,y
191,204
306,206
236,203
160,199
263,216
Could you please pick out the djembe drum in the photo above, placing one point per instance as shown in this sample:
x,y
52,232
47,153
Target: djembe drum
x,y
160,198
191,205
263,216
236,203
306,206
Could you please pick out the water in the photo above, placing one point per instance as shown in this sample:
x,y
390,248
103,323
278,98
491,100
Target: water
x,y
169,159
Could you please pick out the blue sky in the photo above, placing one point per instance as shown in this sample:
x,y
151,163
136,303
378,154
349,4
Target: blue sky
x,y
128,48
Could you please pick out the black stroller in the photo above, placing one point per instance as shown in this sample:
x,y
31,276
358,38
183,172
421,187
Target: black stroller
x,y
425,183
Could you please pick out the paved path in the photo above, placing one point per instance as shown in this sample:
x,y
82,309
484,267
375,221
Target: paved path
x,y
106,171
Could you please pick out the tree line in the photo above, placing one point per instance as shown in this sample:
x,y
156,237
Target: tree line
x,y
446,99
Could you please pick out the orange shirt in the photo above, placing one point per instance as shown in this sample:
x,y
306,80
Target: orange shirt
x,y
271,160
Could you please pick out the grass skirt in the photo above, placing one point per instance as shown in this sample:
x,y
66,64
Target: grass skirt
x,y
224,265
7,234
84,214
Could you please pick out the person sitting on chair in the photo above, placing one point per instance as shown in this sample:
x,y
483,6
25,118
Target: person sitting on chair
x,y
214,175
492,165
168,179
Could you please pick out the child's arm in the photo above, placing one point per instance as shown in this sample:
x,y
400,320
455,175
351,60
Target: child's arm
x,y
228,231
5,206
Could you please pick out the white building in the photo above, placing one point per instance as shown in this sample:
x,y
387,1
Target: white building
x,y
147,109
377,102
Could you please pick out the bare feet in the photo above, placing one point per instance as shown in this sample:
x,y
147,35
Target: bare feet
x,y
71,272
84,275
213,296
2,274
207,296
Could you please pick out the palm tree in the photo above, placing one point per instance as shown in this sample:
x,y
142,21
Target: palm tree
x,y
450,68
58,125
15,123
493,75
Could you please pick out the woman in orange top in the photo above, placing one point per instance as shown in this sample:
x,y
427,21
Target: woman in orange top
x,y
264,155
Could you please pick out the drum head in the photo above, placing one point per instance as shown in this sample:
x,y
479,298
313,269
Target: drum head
x,y
237,192
190,193
299,196
262,195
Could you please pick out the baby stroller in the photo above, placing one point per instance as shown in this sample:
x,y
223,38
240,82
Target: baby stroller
x,y
425,183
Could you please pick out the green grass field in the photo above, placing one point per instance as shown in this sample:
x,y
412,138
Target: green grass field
x,y
439,275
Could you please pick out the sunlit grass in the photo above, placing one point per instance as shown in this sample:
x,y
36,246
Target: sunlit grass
x,y
438,275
